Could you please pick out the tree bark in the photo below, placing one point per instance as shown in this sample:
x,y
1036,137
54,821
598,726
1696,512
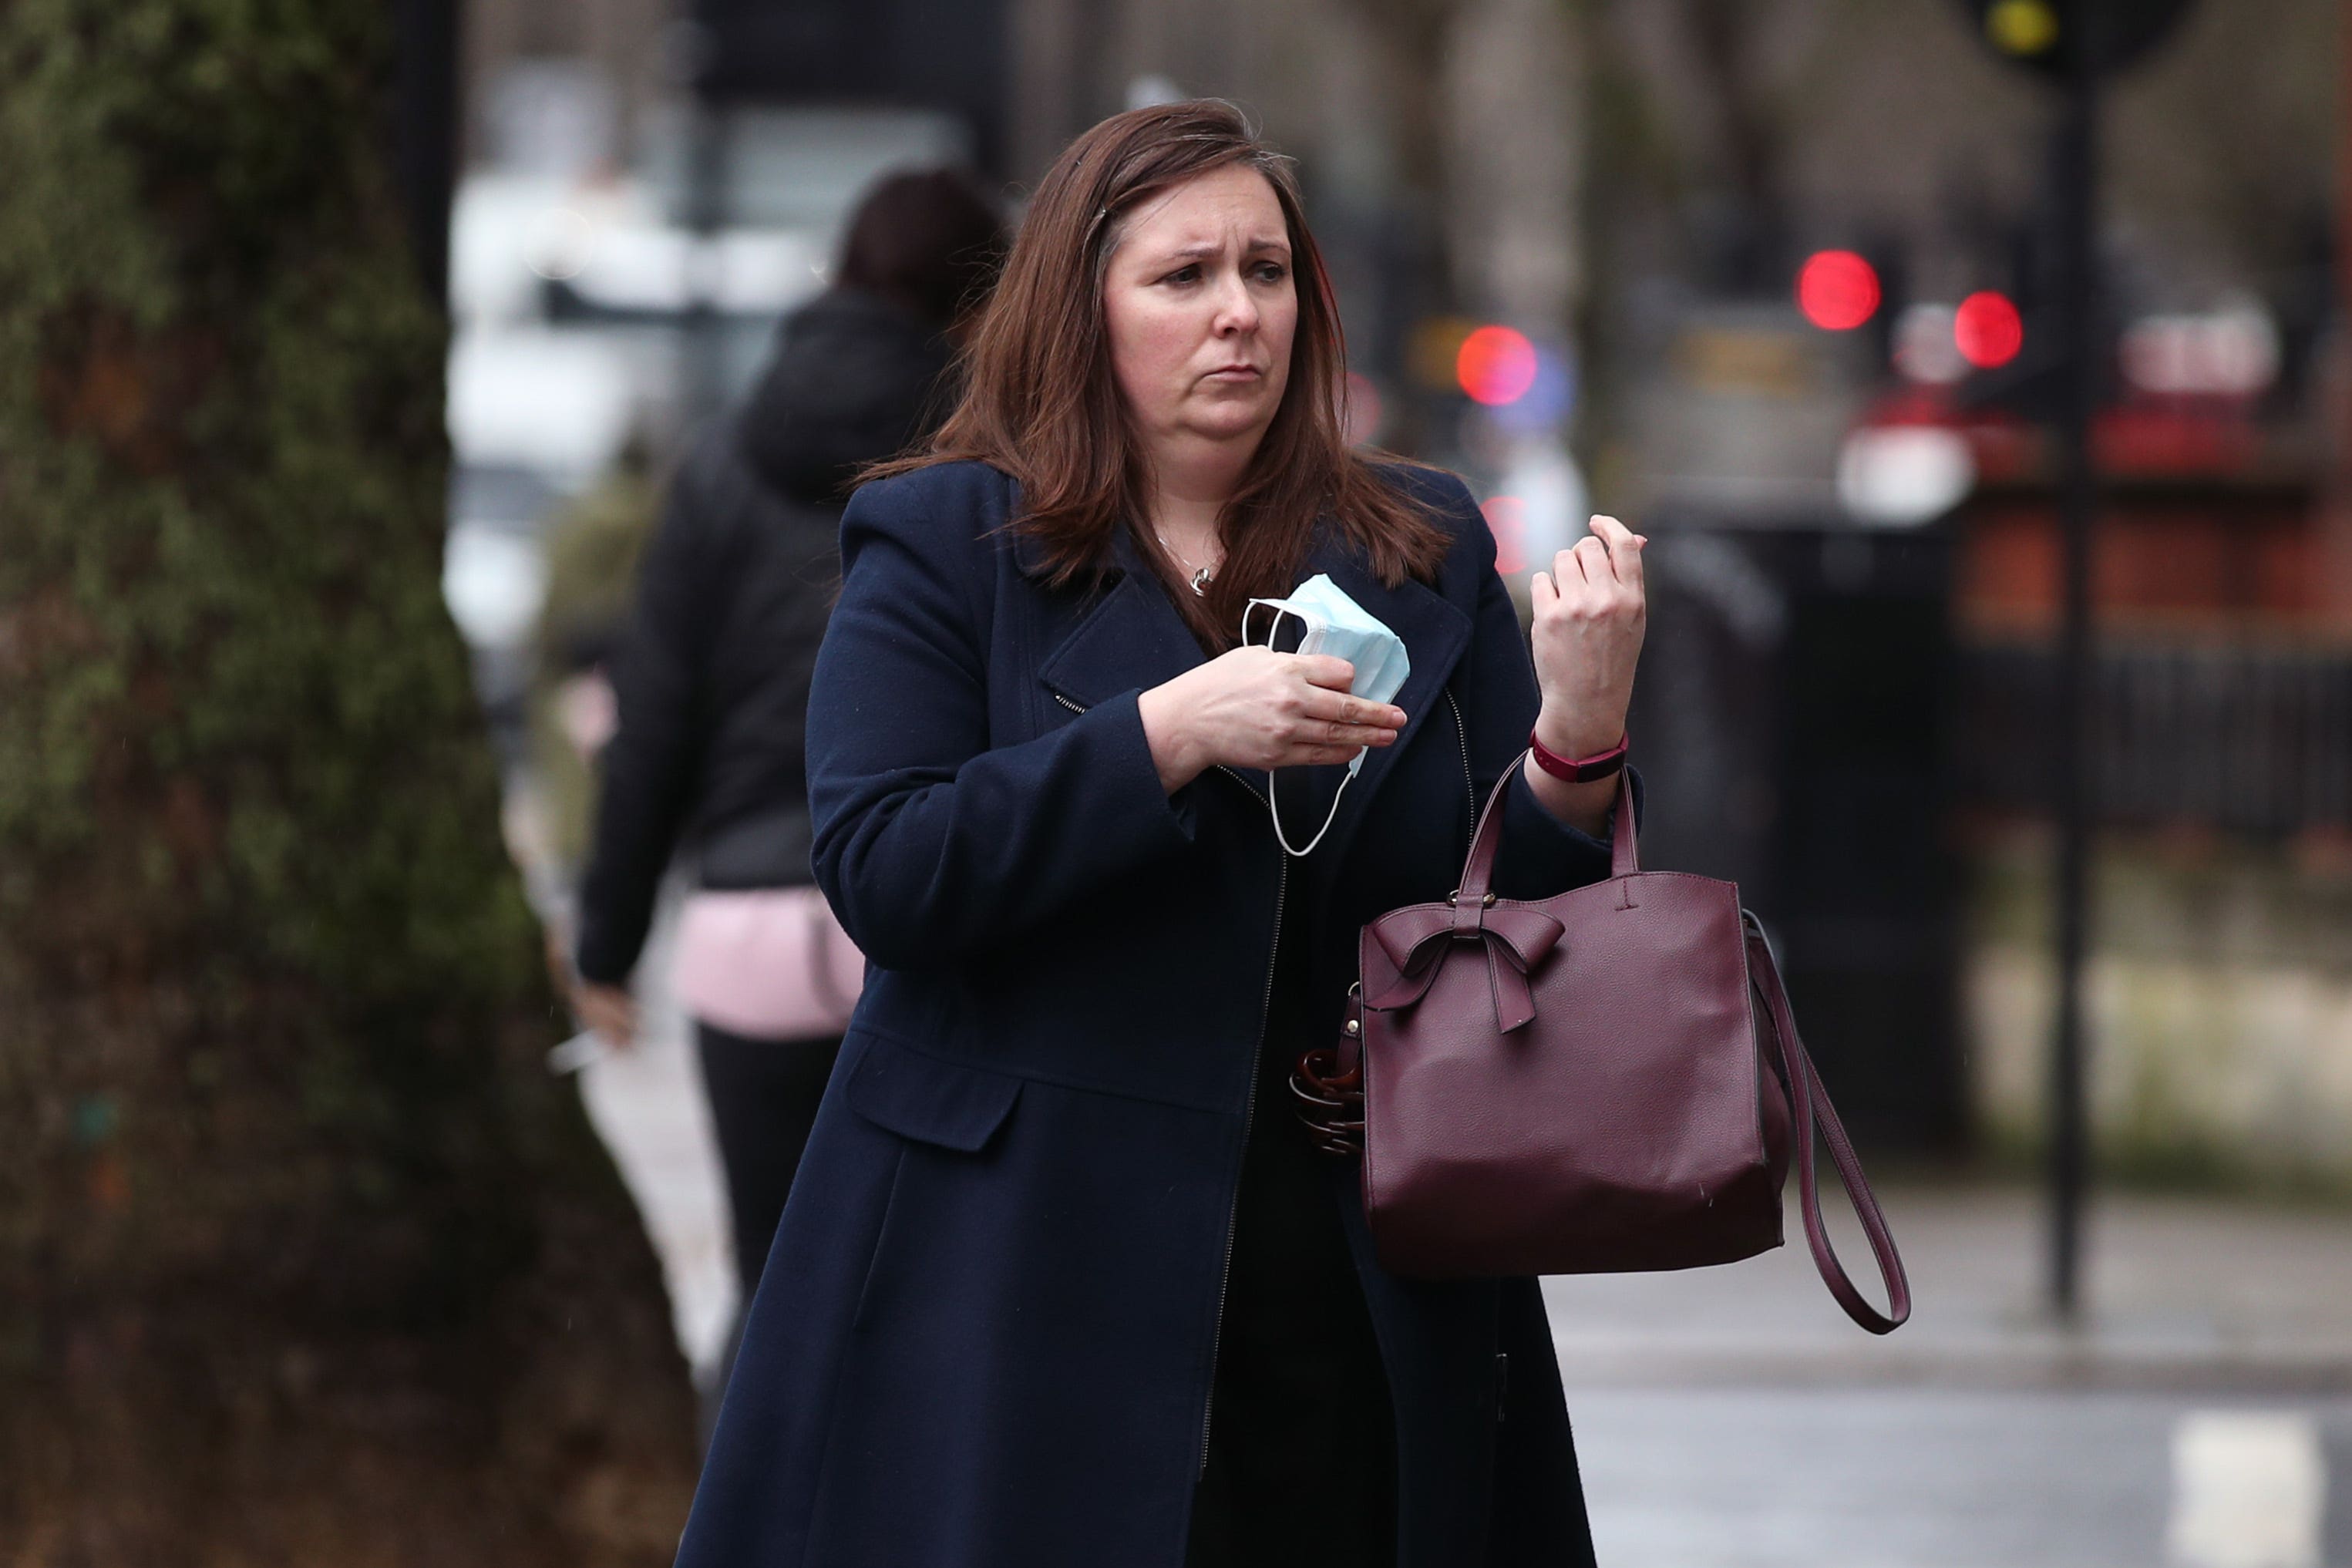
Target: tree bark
x,y
303,1256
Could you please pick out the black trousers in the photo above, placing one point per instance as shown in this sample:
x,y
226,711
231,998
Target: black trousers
x,y
1302,1439
764,1097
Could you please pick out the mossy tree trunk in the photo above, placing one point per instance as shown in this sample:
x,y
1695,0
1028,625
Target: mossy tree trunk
x,y
303,1257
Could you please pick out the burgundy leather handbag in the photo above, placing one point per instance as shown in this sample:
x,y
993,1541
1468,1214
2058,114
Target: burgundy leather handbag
x,y
1603,1082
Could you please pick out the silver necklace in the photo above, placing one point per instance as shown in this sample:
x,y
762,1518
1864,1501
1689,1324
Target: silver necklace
x,y
1202,575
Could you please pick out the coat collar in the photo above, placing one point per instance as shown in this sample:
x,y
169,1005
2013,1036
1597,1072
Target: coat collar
x,y
1134,639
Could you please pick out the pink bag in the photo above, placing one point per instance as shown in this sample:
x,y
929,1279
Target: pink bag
x,y
768,962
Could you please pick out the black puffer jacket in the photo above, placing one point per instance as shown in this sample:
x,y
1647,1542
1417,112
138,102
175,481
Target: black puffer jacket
x,y
712,672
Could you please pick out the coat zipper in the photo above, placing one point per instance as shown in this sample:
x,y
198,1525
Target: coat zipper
x,y
1249,1107
1469,783
1249,1116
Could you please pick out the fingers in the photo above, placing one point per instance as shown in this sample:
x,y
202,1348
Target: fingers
x,y
1586,561
616,1023
1345,739
1323,669
1623,547
1600,574
1336,721
1610,555
609,1010
1335,734
1352,711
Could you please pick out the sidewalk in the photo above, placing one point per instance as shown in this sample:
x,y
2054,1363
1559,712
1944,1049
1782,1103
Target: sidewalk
x,y
2178,1293
648,1105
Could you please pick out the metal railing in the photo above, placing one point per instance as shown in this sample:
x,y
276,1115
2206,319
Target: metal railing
x,y
2245,737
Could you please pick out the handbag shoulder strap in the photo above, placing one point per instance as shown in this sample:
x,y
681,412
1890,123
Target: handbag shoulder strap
x,y
1810,1105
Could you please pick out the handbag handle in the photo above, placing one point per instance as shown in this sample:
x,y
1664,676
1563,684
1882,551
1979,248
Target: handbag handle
x,y
1478,867
1808,1100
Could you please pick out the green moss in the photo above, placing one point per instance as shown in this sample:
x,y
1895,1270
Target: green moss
x,y
252,896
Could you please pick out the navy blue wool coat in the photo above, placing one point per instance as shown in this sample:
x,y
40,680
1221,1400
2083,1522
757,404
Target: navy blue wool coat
x,y
984,1338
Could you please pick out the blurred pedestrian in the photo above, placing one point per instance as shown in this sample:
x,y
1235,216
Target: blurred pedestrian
x,y
1063,1283
711,681
593,543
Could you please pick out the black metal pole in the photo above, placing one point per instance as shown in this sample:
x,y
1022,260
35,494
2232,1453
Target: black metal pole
x,y
2076,189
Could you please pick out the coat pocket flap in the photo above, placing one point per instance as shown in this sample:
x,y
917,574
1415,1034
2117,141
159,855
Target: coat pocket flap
x,y
928,1099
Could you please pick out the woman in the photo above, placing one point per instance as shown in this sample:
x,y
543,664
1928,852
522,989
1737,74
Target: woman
x,y
1067,1286
712,673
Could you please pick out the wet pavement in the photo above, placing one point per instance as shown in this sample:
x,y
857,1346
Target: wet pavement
x,y
2199,1414
1948,1478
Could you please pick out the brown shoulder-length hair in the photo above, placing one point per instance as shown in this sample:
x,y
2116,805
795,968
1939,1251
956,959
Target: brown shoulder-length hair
x,y
1040,400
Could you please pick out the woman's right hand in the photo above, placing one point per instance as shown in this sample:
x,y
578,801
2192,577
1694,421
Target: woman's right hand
x,y
1255,708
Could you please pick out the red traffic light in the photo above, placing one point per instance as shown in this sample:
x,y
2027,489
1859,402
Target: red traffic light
x,y
1837,290
1988,330
1495,365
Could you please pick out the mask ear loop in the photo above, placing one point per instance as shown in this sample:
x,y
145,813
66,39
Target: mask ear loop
x,y
1333,816
1273,800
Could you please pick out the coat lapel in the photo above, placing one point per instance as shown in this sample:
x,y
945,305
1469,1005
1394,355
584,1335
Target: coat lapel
x,y
1134,639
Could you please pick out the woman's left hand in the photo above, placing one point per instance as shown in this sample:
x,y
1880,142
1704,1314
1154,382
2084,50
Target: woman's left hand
x,y
609,1012
1589,615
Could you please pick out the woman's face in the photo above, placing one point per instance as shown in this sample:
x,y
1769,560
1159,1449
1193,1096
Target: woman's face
x,y
1200,310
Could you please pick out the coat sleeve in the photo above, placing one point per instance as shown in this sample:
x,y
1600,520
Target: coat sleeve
x,y
1541,855
649,769
929,844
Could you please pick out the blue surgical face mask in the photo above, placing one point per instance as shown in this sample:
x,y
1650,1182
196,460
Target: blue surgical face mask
x,y
1338,625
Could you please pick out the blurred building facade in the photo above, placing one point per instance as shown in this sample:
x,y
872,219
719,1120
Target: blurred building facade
x,y
1831,464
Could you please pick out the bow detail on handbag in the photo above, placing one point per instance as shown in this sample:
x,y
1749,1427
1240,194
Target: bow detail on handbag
x,y
1515,939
